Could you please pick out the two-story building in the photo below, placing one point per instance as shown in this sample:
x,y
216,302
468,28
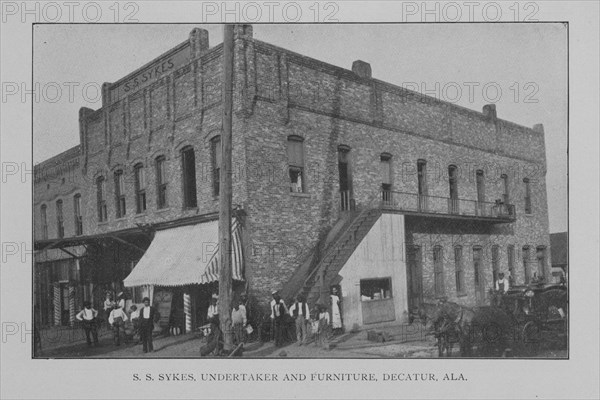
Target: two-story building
x,y
339,179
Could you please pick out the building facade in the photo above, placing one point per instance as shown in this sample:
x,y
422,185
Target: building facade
x,y
339,179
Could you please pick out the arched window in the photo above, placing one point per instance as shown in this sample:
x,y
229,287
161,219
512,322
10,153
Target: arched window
x,y
505,195
60,219
120,194
527,196
453,185
295,152
438,271
422,184
458,268
101,198
161,183
215,147
77,218
188,164
140,188
44,215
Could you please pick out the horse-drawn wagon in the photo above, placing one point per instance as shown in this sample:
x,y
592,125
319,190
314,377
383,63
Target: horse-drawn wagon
x,y
517,323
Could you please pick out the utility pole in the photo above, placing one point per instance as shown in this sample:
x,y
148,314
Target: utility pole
x,y
225,197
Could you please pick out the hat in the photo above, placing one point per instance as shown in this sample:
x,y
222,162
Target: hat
x,y
120,294
215,296
275,292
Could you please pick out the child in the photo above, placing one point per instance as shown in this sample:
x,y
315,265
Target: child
x,y
117,319
323,327
134,317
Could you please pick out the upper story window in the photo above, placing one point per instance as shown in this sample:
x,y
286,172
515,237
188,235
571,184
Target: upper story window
x,y
385,165
60,219
541,262
422,184
505,194
453,186
101,198
120,194
188,166
215,146
140,188
480,182
438,271
44,215
527,196
295,153
77,218
161,183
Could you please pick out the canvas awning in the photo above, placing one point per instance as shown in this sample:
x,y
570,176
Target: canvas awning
x,y
186,255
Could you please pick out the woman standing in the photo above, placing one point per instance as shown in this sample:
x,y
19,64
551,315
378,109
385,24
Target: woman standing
x,y
336,313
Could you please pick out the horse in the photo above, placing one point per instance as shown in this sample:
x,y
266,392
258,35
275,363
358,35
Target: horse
x,y
487,326
440,320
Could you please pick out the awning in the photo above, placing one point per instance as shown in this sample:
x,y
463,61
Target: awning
x,y
186,255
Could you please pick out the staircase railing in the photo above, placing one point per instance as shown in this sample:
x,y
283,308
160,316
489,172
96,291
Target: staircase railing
x,y
364,210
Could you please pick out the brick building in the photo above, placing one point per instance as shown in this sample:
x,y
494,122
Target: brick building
x,y
339,179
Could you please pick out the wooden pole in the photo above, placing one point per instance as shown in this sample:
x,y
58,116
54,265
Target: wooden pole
x,y
225,195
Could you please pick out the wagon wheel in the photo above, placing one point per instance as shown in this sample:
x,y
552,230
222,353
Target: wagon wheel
x,y
532,337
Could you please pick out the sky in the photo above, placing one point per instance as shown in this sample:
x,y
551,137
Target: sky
x,y
522,68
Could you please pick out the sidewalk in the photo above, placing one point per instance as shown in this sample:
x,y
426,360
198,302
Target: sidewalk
x,y
402,341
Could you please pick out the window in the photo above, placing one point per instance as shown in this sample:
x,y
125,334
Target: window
x,y
140,188
458,267
215,145
345,178
505,195
188,163
438,271
120,194
479,180
541,262
161,183
77,215
510,253
375,289
422,184
295,153
527,196
477,268
453,185
525,264
385,164
495,262
44,215
101,199
60,219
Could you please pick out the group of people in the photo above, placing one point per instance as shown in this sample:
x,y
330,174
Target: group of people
x,y
138,322
239,316
321,326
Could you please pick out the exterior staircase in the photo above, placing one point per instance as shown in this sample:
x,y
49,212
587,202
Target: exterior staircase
x,y
316,285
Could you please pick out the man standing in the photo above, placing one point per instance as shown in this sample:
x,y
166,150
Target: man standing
x,y
146,318
299,311
117,320
88,317
502,284
278,312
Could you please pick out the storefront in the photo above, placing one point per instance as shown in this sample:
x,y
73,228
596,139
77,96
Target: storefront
x,y
180,272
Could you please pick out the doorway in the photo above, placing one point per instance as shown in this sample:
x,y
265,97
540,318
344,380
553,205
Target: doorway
x,y
345,177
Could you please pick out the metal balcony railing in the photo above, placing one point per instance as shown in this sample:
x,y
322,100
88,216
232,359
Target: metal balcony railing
x,y
413,202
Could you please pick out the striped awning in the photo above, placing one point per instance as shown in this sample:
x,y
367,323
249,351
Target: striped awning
x,y
187,255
